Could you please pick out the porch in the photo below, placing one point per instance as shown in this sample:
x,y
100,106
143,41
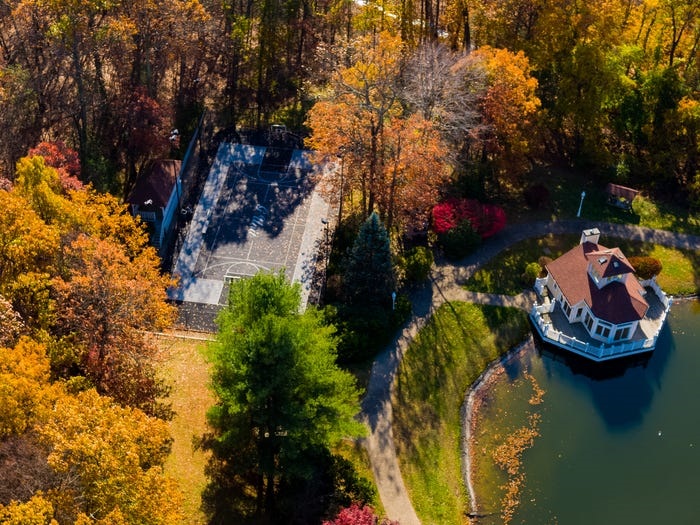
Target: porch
x,y
553,327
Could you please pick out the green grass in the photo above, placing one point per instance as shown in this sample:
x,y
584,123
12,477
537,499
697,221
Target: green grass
x,y
665,216
503,273
355,453
565,187
681,270
449,354
187,372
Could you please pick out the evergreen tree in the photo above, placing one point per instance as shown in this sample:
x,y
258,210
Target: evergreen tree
x,y
369,276
280,399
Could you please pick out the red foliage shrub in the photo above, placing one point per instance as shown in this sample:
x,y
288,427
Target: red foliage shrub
x,y
356,515
64,159
646,267
486,219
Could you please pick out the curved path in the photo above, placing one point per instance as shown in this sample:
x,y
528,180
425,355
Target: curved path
x,y
445,286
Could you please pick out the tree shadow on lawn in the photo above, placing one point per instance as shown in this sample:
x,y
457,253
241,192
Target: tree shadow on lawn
x,y
449,354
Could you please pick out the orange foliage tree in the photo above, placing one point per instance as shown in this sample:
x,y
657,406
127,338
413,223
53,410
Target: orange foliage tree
x,y
509,106
393,160
106,300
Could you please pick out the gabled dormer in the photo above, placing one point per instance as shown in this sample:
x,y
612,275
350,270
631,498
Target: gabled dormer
x,y
608,266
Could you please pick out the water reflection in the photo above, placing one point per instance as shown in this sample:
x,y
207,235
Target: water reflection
x,y
621,390
625,431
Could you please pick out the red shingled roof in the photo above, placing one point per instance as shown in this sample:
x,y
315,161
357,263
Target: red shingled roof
x,y
609,262
615,302
155,184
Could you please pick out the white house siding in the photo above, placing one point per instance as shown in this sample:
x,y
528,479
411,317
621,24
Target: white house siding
x,y
579,312
170,210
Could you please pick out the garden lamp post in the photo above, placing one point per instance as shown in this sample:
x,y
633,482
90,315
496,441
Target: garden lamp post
x,y
578,213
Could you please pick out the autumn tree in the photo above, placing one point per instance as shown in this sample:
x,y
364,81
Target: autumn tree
x,y
365,98
111,457
41,186
84,60
25,393
281,400
415,172
63,159
509,107
27,243
394,159
106,301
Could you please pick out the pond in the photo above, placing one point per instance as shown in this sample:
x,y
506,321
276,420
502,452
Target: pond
x,y
614,443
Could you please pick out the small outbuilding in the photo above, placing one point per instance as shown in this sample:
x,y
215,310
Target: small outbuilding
x,y
620,196
156,198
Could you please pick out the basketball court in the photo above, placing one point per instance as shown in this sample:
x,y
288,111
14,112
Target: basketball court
x,y
258,211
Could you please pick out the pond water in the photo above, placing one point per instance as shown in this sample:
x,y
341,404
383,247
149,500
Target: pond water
x,y
618,443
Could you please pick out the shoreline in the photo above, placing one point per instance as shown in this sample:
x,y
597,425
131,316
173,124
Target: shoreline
x,y
468,413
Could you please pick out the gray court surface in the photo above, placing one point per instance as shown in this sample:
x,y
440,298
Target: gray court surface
x,y
258,211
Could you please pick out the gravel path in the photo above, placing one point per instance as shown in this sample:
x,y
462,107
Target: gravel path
x,y
445,285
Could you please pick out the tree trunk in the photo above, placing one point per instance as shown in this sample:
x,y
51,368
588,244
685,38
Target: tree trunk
x,y
81,119
392,188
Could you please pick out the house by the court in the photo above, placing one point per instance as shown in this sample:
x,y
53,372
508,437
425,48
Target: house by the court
x,y
592,303
156,198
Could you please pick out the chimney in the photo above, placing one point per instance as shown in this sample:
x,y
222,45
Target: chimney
x,y
591,235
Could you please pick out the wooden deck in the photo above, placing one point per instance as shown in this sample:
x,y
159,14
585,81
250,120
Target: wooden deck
x,y
554,328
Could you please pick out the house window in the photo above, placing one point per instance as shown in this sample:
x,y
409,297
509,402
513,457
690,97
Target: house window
x,y
578,312
589,321
602,331
622,333
566,307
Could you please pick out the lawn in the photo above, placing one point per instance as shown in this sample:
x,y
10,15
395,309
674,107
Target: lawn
x,y
565,187
187,372
504,273
448,355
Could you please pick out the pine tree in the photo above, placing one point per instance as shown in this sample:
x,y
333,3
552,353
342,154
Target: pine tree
x,y
369,276
280,398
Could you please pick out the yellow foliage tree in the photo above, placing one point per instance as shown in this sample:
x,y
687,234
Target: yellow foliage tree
x,y
25,392
27,243
509,106
37,511
115,455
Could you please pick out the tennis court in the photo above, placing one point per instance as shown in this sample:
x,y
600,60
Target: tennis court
x,y
258,211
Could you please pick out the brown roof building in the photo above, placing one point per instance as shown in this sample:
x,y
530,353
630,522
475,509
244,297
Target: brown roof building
x,y
597,276
594,305
156,198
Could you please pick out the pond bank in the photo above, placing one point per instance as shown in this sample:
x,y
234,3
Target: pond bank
x,y
445,286
470,409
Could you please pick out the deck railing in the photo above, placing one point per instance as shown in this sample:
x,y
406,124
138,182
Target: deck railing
x,y
540,283
598,352
665,299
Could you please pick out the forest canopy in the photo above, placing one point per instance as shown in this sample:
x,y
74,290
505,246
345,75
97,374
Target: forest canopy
x,y
403,101
607,84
